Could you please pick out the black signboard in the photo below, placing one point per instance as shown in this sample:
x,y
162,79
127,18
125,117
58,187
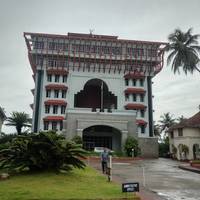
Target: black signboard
x,y
130,187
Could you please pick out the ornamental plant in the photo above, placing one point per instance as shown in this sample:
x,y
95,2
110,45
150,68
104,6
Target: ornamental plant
x,y
131,144
41,151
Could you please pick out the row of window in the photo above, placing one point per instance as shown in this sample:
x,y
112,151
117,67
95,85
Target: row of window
x,y
134,97
56,78
134,82
56,93
99,49
53,125
55,109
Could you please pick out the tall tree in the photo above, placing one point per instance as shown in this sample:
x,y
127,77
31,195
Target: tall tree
x,y
181,118
166,121
183,51
19,120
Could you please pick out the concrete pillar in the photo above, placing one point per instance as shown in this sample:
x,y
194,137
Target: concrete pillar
x,y
124,135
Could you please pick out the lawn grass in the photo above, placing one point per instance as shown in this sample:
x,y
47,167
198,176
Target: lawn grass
x,y
77,184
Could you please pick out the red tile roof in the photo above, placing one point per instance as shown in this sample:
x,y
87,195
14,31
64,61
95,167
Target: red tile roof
x,y
192,122
134,91
57,71
55,102
135,106
141,122
56,86
53,118
134,75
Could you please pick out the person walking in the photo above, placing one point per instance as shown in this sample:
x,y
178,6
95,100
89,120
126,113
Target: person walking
x,y
104,160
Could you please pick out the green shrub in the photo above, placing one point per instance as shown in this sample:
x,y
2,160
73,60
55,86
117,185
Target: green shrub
x,y
77,139
42,151
7,138
131,144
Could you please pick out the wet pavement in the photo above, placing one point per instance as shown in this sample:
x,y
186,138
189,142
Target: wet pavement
x,y
160,179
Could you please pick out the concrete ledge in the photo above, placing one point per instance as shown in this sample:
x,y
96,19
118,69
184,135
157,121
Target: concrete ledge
x,y
188,168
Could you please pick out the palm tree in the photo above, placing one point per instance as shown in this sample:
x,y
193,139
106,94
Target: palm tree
x,y
166,121
181,119
184,51
19,120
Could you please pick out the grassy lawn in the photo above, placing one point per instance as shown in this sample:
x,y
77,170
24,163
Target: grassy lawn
x,y
78,184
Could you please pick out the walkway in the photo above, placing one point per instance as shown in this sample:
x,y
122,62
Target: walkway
x,y
160,179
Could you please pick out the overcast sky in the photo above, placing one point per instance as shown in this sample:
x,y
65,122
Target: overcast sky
x,y
128,19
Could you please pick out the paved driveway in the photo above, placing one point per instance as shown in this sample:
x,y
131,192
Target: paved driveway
x,y
162,177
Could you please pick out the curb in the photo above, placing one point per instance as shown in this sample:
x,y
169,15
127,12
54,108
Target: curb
x,y
189,169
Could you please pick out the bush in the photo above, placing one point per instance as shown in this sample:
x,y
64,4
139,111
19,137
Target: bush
x,y
77,139
42,151
130,144
164,150
4,138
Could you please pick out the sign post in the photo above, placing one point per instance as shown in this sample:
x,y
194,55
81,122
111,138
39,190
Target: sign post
x,y
109,169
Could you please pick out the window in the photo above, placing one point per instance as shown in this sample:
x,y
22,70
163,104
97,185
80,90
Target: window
x,y
46,126
49,77
141,82
126,82
142,113
61,125
141,97
134,82
54,126
126,97
56,93
64,78
142,128
48,93
180,132
63,109
55,109
134,97
172,134
57,77
47,108
39,45
63,93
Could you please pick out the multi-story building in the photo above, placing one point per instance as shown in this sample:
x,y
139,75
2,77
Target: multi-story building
x,y
95,86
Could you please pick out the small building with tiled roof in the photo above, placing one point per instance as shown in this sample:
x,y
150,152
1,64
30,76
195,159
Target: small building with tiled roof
x,y
2,117
186,133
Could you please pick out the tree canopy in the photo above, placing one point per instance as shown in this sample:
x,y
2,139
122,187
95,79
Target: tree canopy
x,y
18,120
183,51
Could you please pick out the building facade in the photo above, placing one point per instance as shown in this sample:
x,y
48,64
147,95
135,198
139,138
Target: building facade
x,y
95,86
187,133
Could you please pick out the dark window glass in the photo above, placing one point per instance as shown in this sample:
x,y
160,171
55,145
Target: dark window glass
x,y
142,128
54,126
49,77
126,82
180,132
47,109
46,126
55,109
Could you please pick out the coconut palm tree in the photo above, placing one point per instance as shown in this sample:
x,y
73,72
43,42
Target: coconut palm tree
x,y
183,51
166,121
19,120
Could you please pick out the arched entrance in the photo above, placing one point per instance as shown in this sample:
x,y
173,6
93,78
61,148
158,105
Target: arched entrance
x,y
95,94
196,151
101,136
